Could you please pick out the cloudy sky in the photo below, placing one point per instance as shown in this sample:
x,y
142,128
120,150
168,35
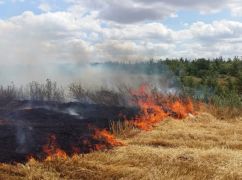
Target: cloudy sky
x,y
79,31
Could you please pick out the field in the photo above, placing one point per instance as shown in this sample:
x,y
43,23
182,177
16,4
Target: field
x,y
198,147
195,134
96,90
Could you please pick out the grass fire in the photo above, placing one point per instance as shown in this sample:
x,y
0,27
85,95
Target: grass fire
x,y
55,138
150,113
100,133
56,132
93,89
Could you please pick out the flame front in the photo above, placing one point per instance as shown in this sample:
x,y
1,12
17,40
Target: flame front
x,y
107,137
52,151
156,107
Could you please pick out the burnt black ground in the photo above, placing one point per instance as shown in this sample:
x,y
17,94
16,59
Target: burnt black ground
x,y
25,127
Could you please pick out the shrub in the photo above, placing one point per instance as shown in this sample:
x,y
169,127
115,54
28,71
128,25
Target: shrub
x,y
98,96
7,94
45,92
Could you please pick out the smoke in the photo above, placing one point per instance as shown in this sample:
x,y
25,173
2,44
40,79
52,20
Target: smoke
x,y
114,75
23,137
95,76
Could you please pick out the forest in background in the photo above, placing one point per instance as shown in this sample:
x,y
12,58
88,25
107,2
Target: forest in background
x,y
218,81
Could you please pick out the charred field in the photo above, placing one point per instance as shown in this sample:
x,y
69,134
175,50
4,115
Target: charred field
x,y
26,128
46,129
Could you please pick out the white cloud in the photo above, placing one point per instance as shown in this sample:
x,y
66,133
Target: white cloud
x,y
42,38
45,7
236,7
220,38
68,37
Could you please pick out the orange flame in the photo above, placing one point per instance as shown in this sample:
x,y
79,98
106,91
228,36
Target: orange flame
x,y
182,109
52,150
155,108
150,114
109,138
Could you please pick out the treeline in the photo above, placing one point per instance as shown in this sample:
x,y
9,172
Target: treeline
x,y
218,80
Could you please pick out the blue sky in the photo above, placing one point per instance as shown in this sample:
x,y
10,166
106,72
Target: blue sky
x,y
56,32
10,8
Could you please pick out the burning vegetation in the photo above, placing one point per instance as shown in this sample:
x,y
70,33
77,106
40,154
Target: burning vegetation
x,y
152,108
46,130
52,150
156,107
59,130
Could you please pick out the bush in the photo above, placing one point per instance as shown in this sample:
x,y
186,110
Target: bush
x,y
7,94
45,92
98,96
230,100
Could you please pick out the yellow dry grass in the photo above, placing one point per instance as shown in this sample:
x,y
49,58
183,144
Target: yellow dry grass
x,y
199,147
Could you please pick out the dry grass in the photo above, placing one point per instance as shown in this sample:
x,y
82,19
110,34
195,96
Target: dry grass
x,y
123,129
222,112
200,147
